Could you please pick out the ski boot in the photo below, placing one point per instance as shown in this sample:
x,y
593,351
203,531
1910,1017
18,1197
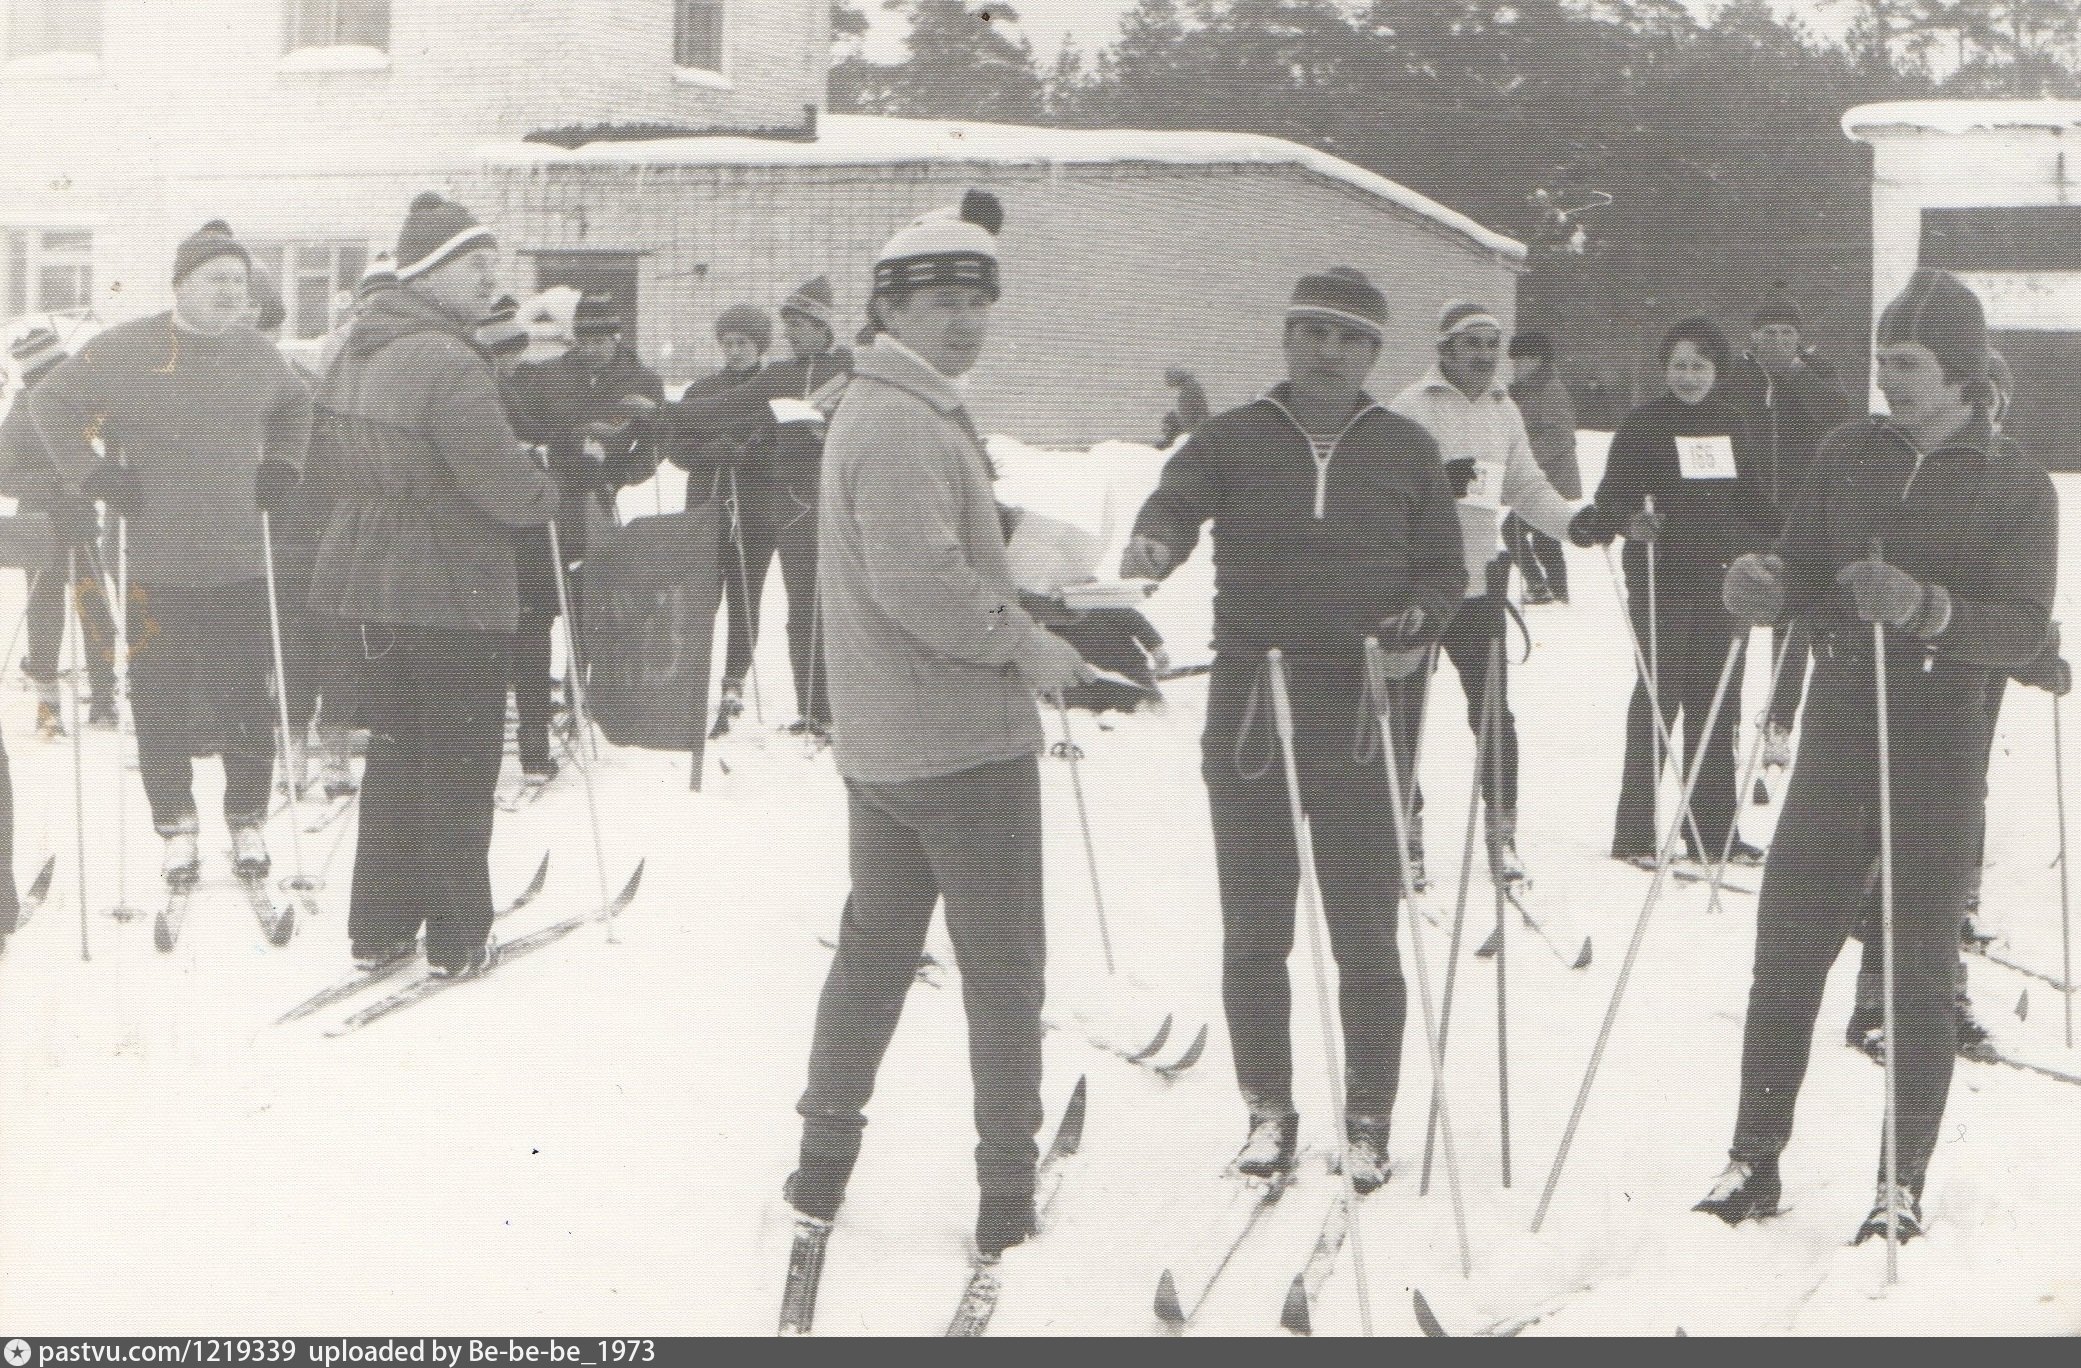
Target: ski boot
x,y
374,961
183,862
249,852
728,709
1273,1147
1744,1192
816,1192
335,776
101,713
1366,1161
1777,746
1907,1206
478,965
536,771
1003,1220
1974,1040
1742,855
50,712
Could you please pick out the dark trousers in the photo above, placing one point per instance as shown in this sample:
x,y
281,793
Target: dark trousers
x,y
1813,892
1791,681
1691,646
46,628
201,662
316,650
435,701
1346,799
1540,559
973,840
532,686
751,523
1478,623
797,540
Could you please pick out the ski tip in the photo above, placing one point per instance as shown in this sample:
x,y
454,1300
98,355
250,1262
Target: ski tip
x,y
535,884
1191,1056
1293,1317
1163,1035
1425,1320
635,882
1491,945
1069,1134
1582,961
284,928
1167,1308
41,887
162,936
2023,1006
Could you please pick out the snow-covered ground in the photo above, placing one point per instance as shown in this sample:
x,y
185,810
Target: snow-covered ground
x,y
591,1141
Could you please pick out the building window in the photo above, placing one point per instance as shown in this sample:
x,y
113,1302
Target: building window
x,y
698,35
49,270
39,27
339,23
317,281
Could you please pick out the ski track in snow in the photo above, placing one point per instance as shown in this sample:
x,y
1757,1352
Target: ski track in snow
x,y
591,1142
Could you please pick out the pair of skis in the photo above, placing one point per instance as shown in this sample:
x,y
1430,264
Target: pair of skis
x,y
33,897
985,1285
277,920
1513,893
1184,1285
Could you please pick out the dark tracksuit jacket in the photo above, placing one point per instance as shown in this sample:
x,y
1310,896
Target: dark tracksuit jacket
x,y
1711,521
1314,544
1983,523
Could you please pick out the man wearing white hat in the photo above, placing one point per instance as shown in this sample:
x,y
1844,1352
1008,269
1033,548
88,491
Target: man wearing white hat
x,y
934,667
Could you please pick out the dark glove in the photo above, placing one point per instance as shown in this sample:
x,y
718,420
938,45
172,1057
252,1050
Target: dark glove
x,y
2048,670
1754,590
624,468
1048,612
75,523
1589,528
1884,593
1458,475
117,486
1145,558
274,484
1644,527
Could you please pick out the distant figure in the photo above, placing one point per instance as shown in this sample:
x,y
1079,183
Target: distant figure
x,y
1185,417
1550,424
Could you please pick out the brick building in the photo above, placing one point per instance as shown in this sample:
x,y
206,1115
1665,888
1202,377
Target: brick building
x,y
675,153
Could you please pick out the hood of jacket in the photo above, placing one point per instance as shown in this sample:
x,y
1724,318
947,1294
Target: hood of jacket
x,y
392,315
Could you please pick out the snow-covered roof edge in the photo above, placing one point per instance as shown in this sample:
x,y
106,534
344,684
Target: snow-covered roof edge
x,y
857,140
1959,116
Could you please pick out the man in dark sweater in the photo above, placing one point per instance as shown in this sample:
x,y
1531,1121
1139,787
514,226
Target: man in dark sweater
x,y
1332,522
203,424
1923,524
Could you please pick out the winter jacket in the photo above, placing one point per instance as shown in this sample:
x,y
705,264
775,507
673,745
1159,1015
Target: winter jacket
x,y
565,397
1788,416
1978,520
741,416
1710,521
192,416
1550,425
923,628
1310,554
1491,431
705,451
427,478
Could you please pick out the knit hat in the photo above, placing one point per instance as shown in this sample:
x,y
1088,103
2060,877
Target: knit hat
x,y
436,232
380,275
35,352
266,298
945,247
596,317
205,245
502,331
813,302
1341,295
1464,315
1939,312
1778,306
746,320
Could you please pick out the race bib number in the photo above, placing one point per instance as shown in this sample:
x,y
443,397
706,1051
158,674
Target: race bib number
x,y
1706,458
787,411
1485,490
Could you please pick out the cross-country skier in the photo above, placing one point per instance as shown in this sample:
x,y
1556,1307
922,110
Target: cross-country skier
x,y
1920,522
1791,405
428,482
204,425
934,668
778,417
1694,456
1333,521
1488,460
28,477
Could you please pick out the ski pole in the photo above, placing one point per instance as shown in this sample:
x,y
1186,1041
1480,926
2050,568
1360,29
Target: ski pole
x,y
1314,915
291,752
1878,641
125,719
1662,742
1495,757
575,668
1654,695
79,775
1671,835
2066,939
1076,782
751,610
1432,1038
1482,742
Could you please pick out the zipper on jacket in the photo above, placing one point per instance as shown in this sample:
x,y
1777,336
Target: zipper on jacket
x,y
1322,453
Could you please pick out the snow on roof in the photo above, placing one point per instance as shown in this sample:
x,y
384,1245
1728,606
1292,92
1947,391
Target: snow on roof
x,y
855,140
1960,116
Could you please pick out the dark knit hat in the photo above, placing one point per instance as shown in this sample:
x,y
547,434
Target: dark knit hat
x,y
952,246
205,245
1938,311
813,302
596,317
502,331
1778,306
35,352
436,232
1341,295
746,320
266,298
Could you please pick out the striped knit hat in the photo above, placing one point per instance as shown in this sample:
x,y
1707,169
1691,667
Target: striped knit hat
x,y
945,247
436,232
813,302
1341,295
35,352
1464,315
